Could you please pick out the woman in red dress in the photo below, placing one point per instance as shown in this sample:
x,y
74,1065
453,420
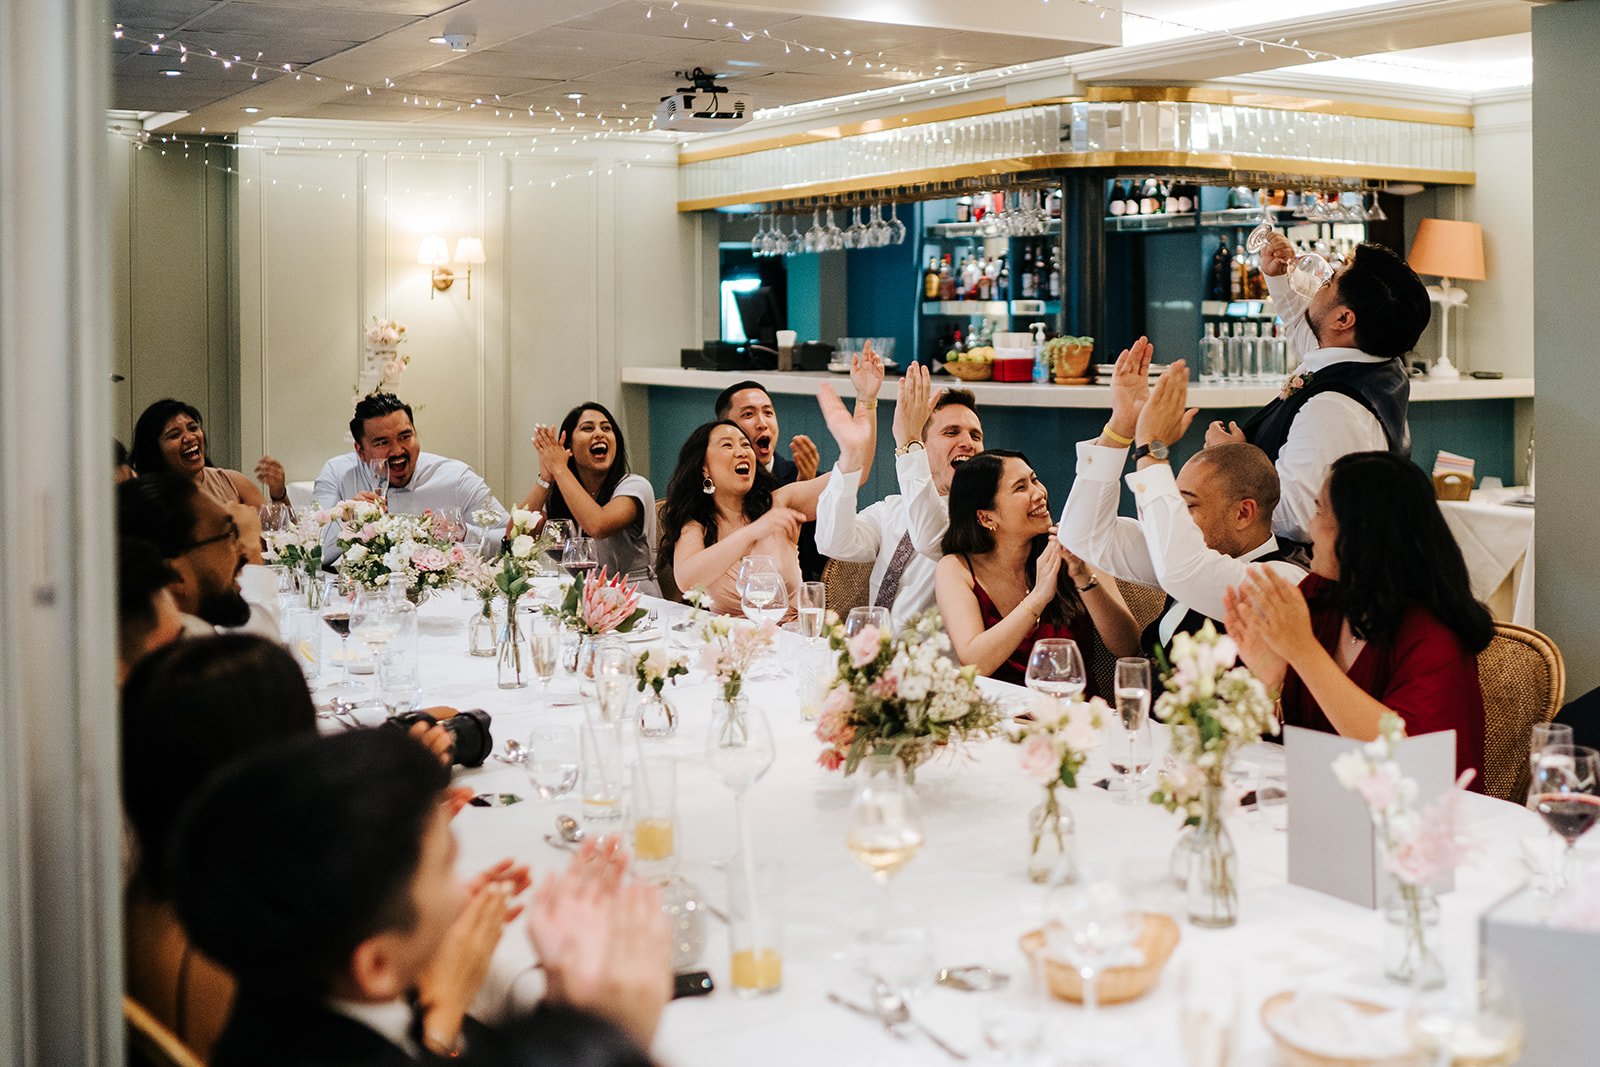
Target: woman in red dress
x,y
1385,621
1001,585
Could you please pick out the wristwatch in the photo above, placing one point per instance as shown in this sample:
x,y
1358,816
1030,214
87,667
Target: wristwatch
x,y
1094,582
907,447
1156,449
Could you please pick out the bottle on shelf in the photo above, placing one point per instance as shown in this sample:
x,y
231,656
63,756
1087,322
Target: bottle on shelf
x,y
1234,356
1188,198
1150,202
1130,206
1053,287
1029,281
1041,370
930,279
1220,286
1118,205
970,271
1055,203
1211,362
1003,281
947,279
1252,352
1169,200
964,209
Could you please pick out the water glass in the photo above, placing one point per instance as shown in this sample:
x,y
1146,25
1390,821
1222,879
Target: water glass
x,y
860,618
602,770
755,927
655,804
754,564
1208,1014
1090,926
302,632
765,599
1055,668
813,609
552,762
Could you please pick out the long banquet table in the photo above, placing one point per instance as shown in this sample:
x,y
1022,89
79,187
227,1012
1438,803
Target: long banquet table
x,y
967,885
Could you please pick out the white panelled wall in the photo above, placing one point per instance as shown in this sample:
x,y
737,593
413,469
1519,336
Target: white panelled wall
x,y
584,275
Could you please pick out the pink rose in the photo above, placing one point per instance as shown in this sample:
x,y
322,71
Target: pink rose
x,y
886,685
863,647
367,532
830,759
839,701
1039,760
429,559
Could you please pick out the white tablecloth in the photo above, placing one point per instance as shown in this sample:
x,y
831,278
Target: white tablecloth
x,y
967,885
1497,543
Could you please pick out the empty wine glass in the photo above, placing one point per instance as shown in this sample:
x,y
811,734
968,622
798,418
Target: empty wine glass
x,y
794,241
1055,668
753,564
832,236
275,518
765,598
860,618
1375,213
739,750
897,229
1091,927
449,523
856,235
1258,238
878,232
816,236
758,243
1310,272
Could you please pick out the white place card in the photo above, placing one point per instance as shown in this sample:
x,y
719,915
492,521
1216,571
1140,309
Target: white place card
x,y
1333,846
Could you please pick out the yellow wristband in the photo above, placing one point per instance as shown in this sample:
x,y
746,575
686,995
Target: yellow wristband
x,y
867,405
1115,436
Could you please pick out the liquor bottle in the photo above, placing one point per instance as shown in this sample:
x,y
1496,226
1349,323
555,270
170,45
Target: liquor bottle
x,y
969,278
930,280
1187,197
983,286
1118,203
1130,206
1054,287
964,209
1003,282
947,280
1169,199
1055,203
1150,198
1252,352
1029,280
1211,364
1238,367
1221,278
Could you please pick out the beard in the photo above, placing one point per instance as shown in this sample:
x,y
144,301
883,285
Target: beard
x,y
224,609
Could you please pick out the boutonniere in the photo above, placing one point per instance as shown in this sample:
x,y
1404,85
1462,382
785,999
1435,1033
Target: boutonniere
x,y
1295,383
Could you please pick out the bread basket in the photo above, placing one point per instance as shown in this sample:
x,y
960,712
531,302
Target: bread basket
x,y
1158,936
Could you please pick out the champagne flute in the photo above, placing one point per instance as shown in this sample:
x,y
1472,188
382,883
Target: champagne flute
x,y
1565,781
813,609
1055,667
1130,748
544,639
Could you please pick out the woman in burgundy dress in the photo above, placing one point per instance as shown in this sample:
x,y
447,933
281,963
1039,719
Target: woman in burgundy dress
x,y
1002,585
1385,621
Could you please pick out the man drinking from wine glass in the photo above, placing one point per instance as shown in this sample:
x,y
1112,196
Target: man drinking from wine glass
x,y
394,469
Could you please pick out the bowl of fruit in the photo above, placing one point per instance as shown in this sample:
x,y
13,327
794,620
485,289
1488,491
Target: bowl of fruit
x,y
973,365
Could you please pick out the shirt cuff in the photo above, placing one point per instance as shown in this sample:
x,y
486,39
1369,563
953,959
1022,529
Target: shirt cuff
x,y
1100,463
848,482
1155,480
911,467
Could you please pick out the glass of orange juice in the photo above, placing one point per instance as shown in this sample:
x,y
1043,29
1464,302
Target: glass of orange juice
x,y
755,926
655,804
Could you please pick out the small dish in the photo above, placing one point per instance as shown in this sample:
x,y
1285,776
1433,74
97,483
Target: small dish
x,y
1293,1055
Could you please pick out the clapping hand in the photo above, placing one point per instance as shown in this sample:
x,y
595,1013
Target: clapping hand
x,y
1164,417
850,432
915,405
1130,385
269,472
456,972
1218,434
866,373
552,453
1047,571
806,457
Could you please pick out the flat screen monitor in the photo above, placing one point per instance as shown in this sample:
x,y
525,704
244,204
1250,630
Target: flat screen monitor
x,y
758,311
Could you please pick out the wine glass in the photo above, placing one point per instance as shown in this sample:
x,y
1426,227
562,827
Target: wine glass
x,y
1565,781
1258,237
1055,667
758,242
878,231
276,518
552,763
897,229
1091,925
1474,1018
765,598
856,235
1311,272
885,827
378,475
753,564
1130,727
578,558
544,639
336,605
371,621
832,236
815,237
739,750
813,608
860,618
560,531
450,524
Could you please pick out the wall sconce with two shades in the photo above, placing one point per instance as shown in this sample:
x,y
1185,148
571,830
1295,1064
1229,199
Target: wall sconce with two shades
x,y
435,253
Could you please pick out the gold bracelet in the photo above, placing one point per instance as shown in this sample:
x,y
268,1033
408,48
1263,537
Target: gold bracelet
x,y
867,405
1107,431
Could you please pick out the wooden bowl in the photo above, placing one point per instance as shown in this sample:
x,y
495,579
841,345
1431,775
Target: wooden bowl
x,y
971,372
1158,936
1292,1055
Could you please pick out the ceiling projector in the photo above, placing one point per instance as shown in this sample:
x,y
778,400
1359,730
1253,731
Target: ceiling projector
x,y
704,107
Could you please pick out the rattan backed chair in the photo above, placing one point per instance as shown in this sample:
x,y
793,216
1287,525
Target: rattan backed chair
x,y
669,588
1524,682
1146,602
149,1042
848,585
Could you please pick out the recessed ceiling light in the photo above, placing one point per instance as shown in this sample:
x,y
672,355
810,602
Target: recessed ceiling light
x,y
251,110
172,72
574,96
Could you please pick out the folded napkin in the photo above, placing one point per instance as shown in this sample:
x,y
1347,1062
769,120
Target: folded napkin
x,y
1449,462
1329,1025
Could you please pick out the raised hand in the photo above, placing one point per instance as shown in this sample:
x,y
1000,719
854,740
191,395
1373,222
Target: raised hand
x,y
1046,573
1163,416
552,453
1246,632
915,405
866,373
269,472
452,979
781,522
1130,385
1278,256
806,457
1218,434
850,432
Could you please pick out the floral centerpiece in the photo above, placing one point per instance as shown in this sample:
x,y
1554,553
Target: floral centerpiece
x,y
479,576
511,575
384,363
600,605
900,696
299,547
1214,707
729,648
379,549
653,670
1055,742
1419,846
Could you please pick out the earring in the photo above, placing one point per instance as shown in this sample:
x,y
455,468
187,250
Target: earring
x,y
706,486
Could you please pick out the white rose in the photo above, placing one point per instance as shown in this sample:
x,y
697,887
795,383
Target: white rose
x,y
522,547
523,517
356,553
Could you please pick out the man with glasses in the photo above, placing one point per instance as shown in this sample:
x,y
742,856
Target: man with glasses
x,y
1351,390
214,551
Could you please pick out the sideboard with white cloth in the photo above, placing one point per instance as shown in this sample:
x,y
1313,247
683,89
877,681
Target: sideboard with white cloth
x,y
967,886
1496,541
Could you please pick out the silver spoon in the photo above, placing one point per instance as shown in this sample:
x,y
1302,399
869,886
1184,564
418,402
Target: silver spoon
x,y
892,1009
569,829
971,979
515,753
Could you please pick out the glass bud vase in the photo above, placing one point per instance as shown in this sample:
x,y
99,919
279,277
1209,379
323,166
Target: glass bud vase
x,y
483,629
1410,937
1213,865
657,717
513,661
1052,843
310,583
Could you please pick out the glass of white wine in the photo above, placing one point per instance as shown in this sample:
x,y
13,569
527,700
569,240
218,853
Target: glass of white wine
x,y
885,828
1129,729
813,609
544,639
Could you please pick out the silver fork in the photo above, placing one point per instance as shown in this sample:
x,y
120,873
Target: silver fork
x,y
894,1012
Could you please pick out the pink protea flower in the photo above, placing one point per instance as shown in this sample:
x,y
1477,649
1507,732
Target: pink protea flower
x,y
607,603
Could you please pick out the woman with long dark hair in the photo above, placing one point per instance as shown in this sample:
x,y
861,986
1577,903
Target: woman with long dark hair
x,y
1385,621
722,505
584,477
1005,582
170,436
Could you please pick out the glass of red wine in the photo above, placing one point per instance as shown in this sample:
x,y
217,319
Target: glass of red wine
x,y
1566,779
578,557
336,605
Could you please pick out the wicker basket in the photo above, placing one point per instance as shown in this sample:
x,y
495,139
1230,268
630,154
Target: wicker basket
x,y
1290,1055
1454,485
971,372
1157,938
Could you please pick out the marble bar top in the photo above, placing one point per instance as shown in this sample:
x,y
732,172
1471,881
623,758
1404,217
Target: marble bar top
x,y
1030,395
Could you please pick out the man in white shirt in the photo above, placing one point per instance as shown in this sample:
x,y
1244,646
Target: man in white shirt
x,y
1351,390
1197,533
900,534
418,481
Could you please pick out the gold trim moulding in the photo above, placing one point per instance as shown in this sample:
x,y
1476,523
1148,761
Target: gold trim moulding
x,y
1099,94
1261,167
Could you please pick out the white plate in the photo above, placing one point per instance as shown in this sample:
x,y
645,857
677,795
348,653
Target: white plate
x,y
649,633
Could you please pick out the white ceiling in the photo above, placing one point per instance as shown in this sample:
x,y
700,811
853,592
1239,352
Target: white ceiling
x,y
371,60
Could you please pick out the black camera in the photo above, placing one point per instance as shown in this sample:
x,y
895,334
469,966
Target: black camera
x,y
470,740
